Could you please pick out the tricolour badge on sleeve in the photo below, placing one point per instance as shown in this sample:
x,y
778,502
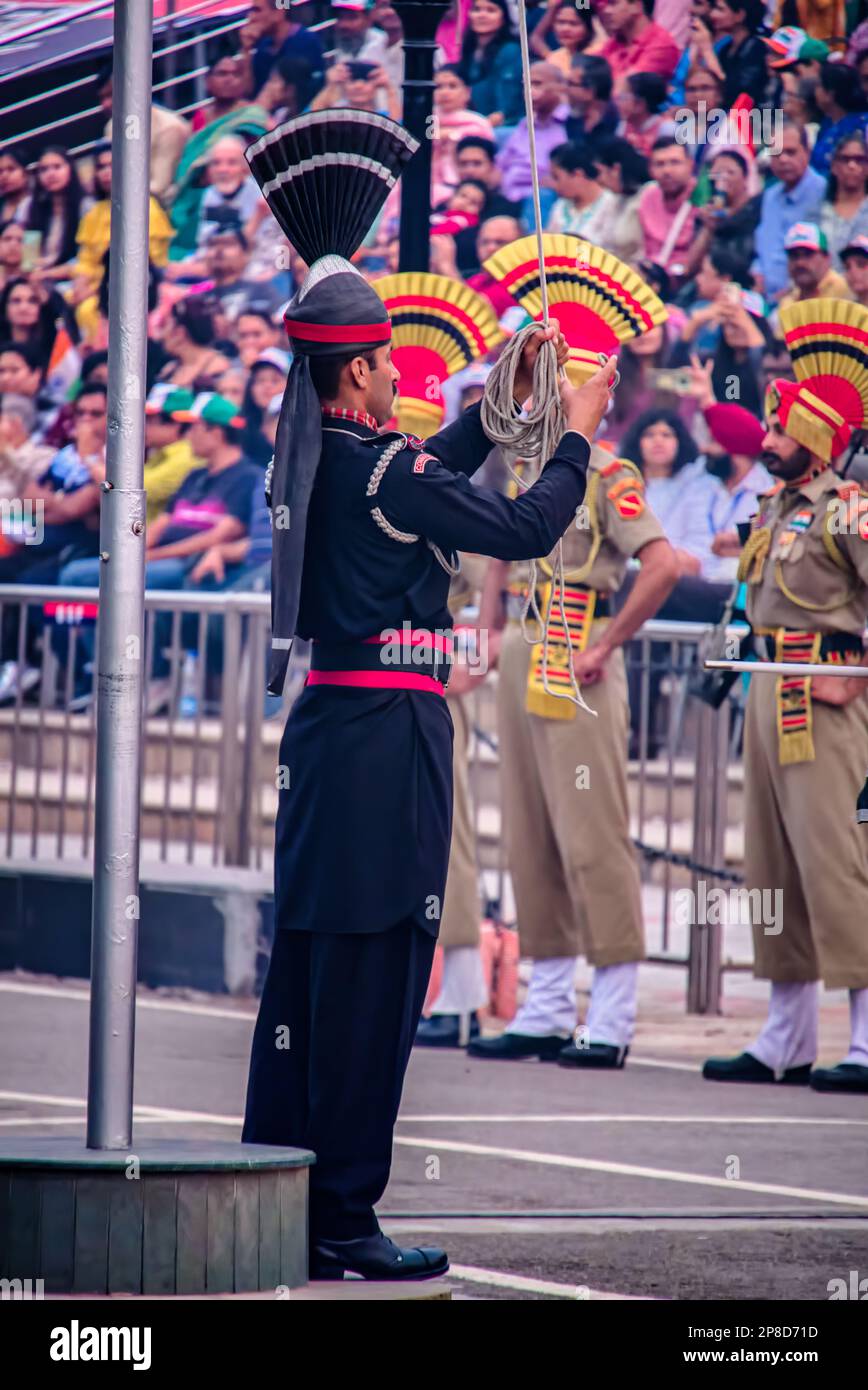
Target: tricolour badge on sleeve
x,y
627,499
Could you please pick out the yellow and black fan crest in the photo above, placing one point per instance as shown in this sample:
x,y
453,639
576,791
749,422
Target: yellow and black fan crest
x,y
439,326
599,301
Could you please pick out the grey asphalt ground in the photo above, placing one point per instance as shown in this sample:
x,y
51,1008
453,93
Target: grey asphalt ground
x,y
542,1183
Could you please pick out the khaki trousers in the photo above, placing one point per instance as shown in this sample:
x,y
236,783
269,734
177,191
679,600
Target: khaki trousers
x,y
801,837
461,904
566,818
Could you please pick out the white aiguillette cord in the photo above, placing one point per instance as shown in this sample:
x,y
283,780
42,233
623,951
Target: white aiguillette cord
x,y
539,432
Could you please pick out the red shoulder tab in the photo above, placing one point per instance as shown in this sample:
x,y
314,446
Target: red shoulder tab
x,y
419,465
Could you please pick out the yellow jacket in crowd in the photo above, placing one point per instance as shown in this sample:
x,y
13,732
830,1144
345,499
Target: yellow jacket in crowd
x,y
165,471
94,235
822,19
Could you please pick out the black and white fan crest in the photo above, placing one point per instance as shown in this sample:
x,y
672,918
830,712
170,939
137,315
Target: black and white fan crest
x,y
326,175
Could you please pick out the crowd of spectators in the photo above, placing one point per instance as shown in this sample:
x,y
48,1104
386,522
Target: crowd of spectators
x,y
718,146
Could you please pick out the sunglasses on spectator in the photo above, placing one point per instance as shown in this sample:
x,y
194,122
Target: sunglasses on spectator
x,y
850,159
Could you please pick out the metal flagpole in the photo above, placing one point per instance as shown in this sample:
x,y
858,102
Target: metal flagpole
x,y
420,19
121,610
787,668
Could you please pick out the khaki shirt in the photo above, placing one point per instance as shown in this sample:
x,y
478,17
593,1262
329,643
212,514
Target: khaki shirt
x,y
466,586
814,577
832,286
610,528
169,135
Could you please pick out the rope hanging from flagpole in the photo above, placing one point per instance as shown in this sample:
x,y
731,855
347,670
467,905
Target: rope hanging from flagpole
x,y
531,137
536,435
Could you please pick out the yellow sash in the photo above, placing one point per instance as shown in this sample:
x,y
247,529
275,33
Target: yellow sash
x,y
578,609
794,706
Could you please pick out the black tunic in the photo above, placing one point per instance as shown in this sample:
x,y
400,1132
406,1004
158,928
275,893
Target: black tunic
x,y
364,824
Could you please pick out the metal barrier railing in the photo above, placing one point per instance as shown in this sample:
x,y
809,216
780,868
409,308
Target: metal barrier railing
x,y
170,50
167,24
27,136
57,21
205,795
211,738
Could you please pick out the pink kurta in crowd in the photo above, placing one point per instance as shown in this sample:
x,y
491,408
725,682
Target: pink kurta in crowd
x,y
449,128
449,32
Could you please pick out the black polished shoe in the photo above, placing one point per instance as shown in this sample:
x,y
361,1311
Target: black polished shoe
x,y
847,1077
594,1055
375,1257
512,1047
744,1067
443,1030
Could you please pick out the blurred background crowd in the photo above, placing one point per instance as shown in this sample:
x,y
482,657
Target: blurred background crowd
x,y
719,146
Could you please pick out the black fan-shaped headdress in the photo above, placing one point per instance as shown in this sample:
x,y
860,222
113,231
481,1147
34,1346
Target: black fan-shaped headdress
x,y
325,177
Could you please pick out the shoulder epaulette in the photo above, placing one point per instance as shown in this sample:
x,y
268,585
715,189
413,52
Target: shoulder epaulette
x,y
616,465
386,437
850,488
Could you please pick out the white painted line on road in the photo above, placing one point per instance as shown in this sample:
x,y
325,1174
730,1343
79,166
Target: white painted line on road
x,y
19,1120
625,1120
35,1097
172,1116
695,1067
37,1121
176,1006
633,1170
160,1112
82,996
140,1112
497,1279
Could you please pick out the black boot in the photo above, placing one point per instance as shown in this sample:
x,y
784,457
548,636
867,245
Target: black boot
x,y
443,1030
595,1055
744,1067
847,1077
375,1257
511,1047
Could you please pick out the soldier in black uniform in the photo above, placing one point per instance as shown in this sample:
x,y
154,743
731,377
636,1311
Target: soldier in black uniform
x,y
364,820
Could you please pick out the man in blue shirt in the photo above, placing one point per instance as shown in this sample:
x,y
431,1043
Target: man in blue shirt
x,y
841,102
270,34
796,197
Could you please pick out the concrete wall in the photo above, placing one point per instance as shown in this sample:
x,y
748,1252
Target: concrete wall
x,y
212,935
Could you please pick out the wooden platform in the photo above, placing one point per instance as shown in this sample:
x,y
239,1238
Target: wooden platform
x,y
160,1218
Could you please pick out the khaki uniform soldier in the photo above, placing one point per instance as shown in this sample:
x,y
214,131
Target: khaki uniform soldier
x,y
564,778
463,988
806,739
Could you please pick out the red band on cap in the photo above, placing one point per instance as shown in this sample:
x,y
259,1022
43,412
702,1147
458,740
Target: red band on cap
x,y
339,333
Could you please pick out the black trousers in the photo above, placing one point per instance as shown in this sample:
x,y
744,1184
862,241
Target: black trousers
x,y
336,1023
